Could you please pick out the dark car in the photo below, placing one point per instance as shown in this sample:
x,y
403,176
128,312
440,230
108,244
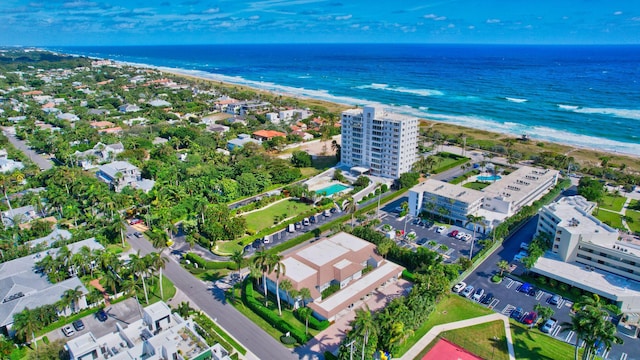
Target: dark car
x,y
532,292
312,219
137,234
517,313
487,299
101,315
422,241
247,248
256,243
78,325
333,210
525,288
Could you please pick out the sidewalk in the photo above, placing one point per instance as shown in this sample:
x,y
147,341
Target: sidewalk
x,y
436,330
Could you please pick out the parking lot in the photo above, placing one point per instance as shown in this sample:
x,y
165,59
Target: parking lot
x,y
124,313
507,296
426,234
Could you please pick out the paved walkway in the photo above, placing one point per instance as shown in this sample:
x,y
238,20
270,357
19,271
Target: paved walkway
x,y
436,330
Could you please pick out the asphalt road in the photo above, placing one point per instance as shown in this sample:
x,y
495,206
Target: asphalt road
x,y
38,159
212,301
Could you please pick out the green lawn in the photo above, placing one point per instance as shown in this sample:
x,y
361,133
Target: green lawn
x,y
487,340
154,290
451,308
264,218
634,205
534,345
609,218
633,220
476,185
612,202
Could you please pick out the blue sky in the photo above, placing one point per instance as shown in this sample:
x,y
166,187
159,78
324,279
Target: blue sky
x,y
132,22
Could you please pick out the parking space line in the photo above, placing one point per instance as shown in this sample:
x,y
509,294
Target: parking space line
x,y
623,356
569,336
493,303
539,295
556,331
507,309
509,283
605,354
516,283
560,303
449,252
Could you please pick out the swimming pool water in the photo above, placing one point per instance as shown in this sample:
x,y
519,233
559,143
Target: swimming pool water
x,y
489,178
332,189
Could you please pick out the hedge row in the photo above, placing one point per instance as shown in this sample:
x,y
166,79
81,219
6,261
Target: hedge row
x,y
450,166
313,322
210,265
268,315
409,276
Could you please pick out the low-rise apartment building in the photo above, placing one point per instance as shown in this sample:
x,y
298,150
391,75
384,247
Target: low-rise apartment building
x,y
441,198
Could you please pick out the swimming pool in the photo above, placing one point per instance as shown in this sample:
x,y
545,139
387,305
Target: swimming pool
x,y
489,178
332,189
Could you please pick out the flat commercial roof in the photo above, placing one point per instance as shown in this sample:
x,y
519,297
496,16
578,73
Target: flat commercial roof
x,y
520,183
296,270
450,191
359,287
323,252
598,281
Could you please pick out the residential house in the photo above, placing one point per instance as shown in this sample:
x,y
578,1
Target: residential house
x,y
99,112
19,215
264,135
159,335
22,285
159,103
240,141
128,108
120,174
216,128
9,166
68,116
101,124
337,260
304,135
100,154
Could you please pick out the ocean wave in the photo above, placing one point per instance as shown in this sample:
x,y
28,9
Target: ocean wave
x,y
622,113
515,100
400,89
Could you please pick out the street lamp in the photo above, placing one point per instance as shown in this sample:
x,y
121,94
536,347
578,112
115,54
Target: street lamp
x,y
350,345
406,219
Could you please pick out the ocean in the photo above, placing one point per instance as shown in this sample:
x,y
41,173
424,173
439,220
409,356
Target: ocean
x,y
586,96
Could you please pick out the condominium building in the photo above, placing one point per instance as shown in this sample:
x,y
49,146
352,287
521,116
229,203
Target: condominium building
x,y
444,199
588,254
382,143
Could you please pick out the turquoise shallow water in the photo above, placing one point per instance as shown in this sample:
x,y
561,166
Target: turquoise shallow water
x,y
579,95
332,189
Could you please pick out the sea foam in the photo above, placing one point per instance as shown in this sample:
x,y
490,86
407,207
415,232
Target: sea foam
x,y
622,113
400,89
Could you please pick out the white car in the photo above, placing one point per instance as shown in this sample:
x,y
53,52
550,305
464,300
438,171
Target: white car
x,y
478,294
460,235
467,291
459,286
441,229
467,237
68,331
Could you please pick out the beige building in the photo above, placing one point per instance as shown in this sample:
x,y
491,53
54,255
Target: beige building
x,y
588,254
341,260
382,143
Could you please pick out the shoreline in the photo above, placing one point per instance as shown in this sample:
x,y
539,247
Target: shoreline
x,y
333,105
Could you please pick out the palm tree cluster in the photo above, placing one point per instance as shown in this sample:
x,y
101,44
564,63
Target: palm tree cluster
x,y
115,273
592,326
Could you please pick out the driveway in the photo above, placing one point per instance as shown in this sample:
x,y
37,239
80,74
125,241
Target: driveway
x,y
42,162
124,313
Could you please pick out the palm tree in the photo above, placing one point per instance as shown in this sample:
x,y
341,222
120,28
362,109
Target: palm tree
x,y
158,262
26,323
544,312
350,208
305,312
278,267
237,258
364,326
262,262
70,297
287,286
305,294
111,280
475,220
503,265
139,267
384,247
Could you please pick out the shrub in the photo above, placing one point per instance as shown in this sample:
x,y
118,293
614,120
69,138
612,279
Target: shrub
x,y
576,292
496,278
564,287
287,340
210,265
553,283
313,322
332,289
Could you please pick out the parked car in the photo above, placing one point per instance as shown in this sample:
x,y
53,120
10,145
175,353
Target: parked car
x,y
291,228
530,318
306,222
460,235
441,229
102,315
298,225
454,233
517,313
135,221
519,256
467,237
333,210
327,213
478,294
555,299
487,299
422,241
548,325
137,234
467,291
525,288
78,325
266,239
459,286
312,219
68,331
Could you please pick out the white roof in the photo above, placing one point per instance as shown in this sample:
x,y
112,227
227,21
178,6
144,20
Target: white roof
x,y
450,191
520,183
296,270
324,252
